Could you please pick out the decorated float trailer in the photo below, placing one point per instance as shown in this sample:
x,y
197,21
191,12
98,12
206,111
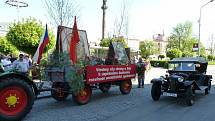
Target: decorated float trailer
x,y
18,92
79,78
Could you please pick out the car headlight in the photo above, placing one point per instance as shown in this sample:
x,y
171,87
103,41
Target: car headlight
x,y
180,79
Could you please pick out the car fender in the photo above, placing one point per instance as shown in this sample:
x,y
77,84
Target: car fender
x,y
25,78
157,80
188,83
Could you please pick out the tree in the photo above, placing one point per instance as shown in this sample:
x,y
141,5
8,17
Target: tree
x,y
106,41
174,53
61,12
121,22
181,38
187,54
148,48
25,35
6,47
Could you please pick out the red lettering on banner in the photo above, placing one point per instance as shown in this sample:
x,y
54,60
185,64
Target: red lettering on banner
x,y
105,73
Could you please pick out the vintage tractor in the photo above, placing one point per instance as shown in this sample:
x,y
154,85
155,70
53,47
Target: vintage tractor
x,y
17,95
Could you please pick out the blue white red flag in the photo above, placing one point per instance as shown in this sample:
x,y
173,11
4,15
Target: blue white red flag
x,y
43,42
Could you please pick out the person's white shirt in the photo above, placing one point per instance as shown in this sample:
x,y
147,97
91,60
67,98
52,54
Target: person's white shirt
x,y
21,65
6,64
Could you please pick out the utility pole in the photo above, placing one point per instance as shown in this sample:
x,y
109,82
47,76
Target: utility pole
x,y
200,15
104,7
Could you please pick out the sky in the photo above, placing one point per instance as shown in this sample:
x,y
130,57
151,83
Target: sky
x,y
146,17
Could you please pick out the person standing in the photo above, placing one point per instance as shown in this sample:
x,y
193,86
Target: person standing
x,y
21,65
28,59
140,68
6,63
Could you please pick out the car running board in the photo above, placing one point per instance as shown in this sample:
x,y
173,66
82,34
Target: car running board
x,y
203,87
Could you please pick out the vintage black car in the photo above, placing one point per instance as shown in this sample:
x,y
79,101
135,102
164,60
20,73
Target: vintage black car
x,y
185,76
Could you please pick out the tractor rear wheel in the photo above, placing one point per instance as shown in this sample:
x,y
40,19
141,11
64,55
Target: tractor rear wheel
x,y
16,99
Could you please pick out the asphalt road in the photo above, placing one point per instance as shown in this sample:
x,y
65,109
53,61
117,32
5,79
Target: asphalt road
x,y
136,106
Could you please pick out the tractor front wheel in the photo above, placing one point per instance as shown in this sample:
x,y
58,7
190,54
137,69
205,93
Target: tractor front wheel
x,y
16,99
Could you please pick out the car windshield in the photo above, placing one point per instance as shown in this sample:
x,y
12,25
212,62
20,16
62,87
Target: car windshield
x,y
182,66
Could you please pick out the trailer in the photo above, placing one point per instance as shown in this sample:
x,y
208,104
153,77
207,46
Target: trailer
x,y
115,69
18,92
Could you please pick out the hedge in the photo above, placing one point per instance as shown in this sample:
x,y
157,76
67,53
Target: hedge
x,y
159,63
211,62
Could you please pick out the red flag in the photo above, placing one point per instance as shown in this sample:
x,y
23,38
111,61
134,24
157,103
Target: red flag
x,y
74,40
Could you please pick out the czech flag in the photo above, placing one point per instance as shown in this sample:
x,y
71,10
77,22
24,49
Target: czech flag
x,y
74,40
43,42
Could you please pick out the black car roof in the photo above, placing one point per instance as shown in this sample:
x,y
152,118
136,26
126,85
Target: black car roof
x,y
189,59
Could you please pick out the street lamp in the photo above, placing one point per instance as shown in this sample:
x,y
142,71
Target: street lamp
x,y
200,24
104,7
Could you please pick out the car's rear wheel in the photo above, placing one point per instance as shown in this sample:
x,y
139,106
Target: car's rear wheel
x,y
189,96
156,91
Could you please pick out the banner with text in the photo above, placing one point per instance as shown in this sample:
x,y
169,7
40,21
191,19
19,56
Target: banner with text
x,y
105,73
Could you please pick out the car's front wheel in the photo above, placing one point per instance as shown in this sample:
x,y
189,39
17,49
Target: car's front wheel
x,y
156,91
189,96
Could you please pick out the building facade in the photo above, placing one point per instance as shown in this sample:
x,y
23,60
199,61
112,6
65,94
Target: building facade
x,y
4,27
162,42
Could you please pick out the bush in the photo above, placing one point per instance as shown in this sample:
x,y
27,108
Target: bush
x,y
211,63
173,53
161,57
210,57
159,63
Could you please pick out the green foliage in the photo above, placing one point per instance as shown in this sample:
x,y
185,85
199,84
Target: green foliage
x,y
211,57
159,63
6,47
26,35
173,53
181,38
74,74
148,48
106,41
187,54
161,57
211,63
